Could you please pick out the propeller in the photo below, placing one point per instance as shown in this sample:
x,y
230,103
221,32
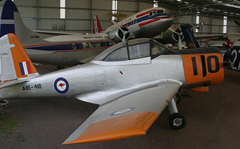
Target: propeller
x,y
126,31
179,37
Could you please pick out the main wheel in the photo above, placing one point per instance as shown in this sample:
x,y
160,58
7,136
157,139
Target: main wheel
x,y
177,121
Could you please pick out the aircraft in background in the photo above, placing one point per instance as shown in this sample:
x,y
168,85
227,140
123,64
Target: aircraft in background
x,y
231,53
230,50
144,24
64,50
129,102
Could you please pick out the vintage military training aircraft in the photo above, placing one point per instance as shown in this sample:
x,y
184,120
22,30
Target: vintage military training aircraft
x,y
132,81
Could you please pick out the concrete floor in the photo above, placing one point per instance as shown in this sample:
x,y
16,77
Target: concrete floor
x,y
212,122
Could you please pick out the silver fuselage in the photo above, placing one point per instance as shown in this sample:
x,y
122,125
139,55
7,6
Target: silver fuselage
x,y
99,81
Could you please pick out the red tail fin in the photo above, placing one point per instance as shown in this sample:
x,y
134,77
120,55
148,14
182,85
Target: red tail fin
x,y
229,44
96,25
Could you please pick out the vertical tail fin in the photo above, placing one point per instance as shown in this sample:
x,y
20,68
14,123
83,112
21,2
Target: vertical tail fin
x,y
14,61
11,22
228,44
97,28
189,36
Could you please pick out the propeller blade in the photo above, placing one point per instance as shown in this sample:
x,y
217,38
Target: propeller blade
x,y
116,25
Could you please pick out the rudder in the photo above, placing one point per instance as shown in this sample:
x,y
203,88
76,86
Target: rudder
x,y
11,22
14,61
97,28
7,18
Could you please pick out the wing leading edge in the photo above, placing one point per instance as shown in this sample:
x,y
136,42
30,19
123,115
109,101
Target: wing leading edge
x,y
127,116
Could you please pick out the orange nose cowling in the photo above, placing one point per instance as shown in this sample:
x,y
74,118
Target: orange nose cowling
x,y
203,69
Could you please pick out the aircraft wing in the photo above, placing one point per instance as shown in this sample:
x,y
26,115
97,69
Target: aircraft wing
x,y
127,116
210,36
54,32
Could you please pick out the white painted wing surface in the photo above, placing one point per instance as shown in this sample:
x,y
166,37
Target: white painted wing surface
x,y
127,116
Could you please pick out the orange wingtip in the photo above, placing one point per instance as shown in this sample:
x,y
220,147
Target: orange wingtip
x,y
117,128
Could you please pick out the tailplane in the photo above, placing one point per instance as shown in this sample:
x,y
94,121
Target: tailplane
x,y
11,22
14,61
97,28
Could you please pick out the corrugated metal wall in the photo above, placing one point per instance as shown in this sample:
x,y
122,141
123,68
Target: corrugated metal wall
x,y
211,25
45,15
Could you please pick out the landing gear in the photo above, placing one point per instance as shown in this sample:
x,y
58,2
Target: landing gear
x,y
177,98
176,120
3,103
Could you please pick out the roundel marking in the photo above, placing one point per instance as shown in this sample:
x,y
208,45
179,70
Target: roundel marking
x,y
61,85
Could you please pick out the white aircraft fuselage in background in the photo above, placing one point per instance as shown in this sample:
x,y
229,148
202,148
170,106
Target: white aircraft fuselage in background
x,y
145,24
152,22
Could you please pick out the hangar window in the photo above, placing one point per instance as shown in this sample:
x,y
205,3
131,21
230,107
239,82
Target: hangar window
x,y
197,22
155,3
62,9
114,9
224,24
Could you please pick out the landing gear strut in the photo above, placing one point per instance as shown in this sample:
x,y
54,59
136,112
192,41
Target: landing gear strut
x,y
176,120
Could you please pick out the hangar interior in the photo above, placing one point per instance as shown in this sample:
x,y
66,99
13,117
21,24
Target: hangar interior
x,y
76,15
212,117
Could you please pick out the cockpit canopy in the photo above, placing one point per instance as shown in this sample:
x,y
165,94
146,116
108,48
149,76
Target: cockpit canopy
x,y
132,49
152,13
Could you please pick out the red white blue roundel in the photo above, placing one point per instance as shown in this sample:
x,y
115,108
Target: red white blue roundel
x,y
61,85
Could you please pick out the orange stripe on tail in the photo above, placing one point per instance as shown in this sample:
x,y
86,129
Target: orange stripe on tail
x,y
22,63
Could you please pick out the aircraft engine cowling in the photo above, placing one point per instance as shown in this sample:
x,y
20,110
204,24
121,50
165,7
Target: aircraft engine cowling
x,y
117,35
170,37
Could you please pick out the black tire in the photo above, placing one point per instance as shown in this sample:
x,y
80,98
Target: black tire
x,y
177,121
178,98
